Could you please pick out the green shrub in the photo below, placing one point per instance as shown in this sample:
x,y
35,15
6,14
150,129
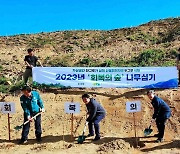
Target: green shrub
x,y
76,43
4,88
142,37
17,86
1,67
153,57
67,35
173,53
67,48
3,81
109,63
40,42
150,57
169,63
62,61
85,61
166,45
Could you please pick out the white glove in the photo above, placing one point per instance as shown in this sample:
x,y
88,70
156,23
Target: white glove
x,y
86,123
29,118
42,110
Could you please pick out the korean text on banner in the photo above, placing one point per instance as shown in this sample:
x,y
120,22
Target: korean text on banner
x,y
106,77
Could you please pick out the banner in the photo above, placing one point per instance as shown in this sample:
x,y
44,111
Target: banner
x,y
106,77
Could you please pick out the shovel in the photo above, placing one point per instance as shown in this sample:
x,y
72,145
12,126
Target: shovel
x,y
21,126
81,138
148,131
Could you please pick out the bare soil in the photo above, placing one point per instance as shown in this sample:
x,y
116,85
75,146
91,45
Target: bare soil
x,y
117,129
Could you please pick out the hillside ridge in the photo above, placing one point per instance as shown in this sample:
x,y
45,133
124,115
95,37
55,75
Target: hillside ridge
x,y
155,43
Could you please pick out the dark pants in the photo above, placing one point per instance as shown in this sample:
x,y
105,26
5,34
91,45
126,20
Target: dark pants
x,y
27,74
26,127
160,123
179,77
95,121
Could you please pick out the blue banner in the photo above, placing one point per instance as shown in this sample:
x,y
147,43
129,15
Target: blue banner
x,y
107,77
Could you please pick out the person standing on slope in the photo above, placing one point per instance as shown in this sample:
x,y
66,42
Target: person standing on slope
x,y
30,61
96,114
178,65
162,113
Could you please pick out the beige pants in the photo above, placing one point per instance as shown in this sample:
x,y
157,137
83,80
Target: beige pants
x,y
27,74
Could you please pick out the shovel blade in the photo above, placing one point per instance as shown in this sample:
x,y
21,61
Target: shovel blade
x,y
147,131
81,139
18,127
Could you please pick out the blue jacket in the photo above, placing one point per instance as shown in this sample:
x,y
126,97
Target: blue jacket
x,y
161,109
31,105
94,108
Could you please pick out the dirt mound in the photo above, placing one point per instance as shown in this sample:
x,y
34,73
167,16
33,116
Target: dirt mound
x,y
118,144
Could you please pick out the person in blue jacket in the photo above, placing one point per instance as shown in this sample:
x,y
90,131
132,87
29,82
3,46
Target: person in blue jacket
x,y
96,114
162,112
32,104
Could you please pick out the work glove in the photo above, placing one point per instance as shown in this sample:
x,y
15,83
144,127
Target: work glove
x,y
152,121
86,123
42,110
29,118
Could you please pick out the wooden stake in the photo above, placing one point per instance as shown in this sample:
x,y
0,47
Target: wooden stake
x,y
72,121
9,127
136,142
63,133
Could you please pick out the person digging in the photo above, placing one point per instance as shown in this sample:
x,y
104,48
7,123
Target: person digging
x,y
162,113
32,104
96,113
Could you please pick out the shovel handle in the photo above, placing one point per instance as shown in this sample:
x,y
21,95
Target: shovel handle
x,y
85,127
32,118
153,120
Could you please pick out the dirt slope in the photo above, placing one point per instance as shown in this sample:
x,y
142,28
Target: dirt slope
x,y
68,48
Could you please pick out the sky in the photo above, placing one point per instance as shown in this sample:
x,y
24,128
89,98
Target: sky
x,y
35,16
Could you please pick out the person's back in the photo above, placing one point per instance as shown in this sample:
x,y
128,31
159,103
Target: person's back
x,y
94,104
162,113
161,106
164,105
